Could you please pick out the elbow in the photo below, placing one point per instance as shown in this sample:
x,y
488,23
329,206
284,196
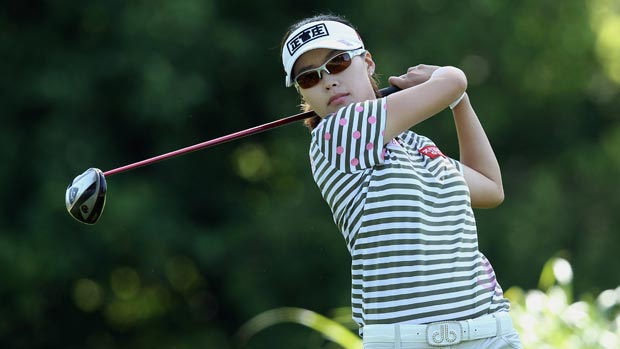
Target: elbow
x,y
496,199
490,199
499,198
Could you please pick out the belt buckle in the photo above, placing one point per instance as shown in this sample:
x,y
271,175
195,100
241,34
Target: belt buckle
x,y
443,333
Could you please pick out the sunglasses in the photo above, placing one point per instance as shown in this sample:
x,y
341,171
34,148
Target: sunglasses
x,y
334,65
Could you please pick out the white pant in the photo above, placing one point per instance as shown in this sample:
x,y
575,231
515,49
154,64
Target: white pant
x,y
509,341
490,331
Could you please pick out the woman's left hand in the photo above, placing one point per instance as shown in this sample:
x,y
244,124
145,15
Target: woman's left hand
x,y
414,76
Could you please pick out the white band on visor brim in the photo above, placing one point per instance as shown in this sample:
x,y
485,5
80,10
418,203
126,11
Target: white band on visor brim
x,y
323,34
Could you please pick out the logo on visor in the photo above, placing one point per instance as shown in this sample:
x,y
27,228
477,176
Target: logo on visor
x,y
306,36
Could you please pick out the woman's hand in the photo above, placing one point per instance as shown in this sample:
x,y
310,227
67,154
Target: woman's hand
x,y
414,76
425,91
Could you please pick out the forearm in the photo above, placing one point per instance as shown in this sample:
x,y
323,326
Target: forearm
x,y
477,154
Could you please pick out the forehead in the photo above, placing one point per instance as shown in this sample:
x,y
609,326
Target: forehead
x,y
312,59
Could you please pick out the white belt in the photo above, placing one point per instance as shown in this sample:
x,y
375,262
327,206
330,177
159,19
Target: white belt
x,y
442,333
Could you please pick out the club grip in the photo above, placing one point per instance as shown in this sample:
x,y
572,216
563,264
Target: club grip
x,y
388,90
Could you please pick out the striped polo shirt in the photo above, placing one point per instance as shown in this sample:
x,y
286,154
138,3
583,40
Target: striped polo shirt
x,y
405,214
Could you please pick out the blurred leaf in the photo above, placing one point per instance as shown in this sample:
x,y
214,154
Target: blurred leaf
x,y
328,328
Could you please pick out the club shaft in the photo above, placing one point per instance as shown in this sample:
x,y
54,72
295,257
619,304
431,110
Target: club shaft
x,y
212,142
240,134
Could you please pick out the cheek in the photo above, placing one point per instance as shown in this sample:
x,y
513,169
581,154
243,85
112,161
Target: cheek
x,y
309,96
312,98
362,82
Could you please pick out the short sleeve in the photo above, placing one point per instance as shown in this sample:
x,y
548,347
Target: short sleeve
x,y
352,139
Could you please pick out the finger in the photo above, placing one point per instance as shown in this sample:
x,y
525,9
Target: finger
x,y
397,81
417,67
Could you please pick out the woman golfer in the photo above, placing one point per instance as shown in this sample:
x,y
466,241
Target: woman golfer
x,y
403,207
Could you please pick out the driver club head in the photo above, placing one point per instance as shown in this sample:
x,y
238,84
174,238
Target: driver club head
x,y
85,196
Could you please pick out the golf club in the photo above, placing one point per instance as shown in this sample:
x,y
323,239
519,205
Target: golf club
x,y
86,195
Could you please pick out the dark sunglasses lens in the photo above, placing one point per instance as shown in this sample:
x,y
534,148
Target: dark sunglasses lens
x,y
335,65
308,79
338,63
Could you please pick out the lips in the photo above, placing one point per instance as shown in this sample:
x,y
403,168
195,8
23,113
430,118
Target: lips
x,y
337,98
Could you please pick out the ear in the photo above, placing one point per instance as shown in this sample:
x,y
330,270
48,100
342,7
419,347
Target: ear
x,y
369,63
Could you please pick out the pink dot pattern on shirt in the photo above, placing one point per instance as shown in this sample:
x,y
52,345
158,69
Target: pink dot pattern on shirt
x,y
357,135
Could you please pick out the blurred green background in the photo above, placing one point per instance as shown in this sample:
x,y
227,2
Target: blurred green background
x,y
190,249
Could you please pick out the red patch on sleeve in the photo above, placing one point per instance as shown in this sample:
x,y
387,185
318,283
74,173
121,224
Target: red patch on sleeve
x,y
431,151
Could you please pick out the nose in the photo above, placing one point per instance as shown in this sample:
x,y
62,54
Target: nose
x,y
329,81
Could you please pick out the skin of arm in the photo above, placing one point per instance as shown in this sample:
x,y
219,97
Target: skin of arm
x,y
427,90
481,169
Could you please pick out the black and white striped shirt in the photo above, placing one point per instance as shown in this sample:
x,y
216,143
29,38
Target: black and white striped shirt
x,y
404,211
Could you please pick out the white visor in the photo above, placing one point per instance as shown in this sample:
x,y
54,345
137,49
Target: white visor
x,y
323,34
